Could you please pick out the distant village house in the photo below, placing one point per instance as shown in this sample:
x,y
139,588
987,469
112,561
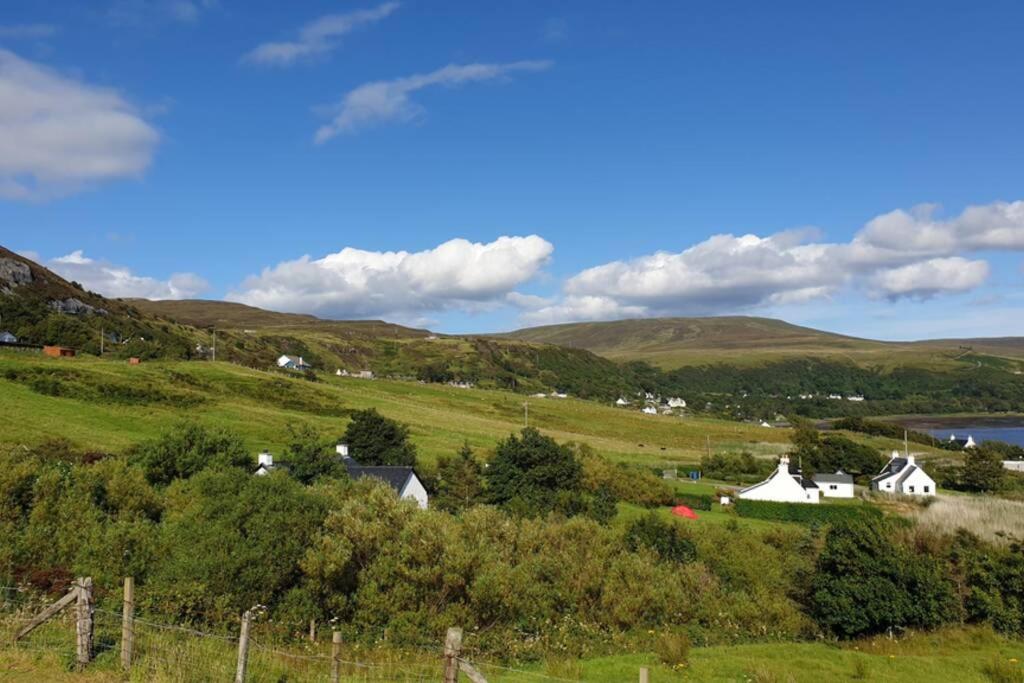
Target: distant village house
x,y
783,486
838,485
293,363
903,475
7,338
403,480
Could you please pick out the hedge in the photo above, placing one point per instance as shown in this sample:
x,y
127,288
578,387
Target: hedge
x,y
701,502
804,513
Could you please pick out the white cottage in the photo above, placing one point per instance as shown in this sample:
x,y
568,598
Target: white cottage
x,y
402,480
838,485
783,486
293,363
903,475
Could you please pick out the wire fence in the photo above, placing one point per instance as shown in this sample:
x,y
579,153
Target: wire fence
x,y
169,653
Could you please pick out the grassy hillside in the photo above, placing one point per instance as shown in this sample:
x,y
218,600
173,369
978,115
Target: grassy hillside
x,y
107,405
676,342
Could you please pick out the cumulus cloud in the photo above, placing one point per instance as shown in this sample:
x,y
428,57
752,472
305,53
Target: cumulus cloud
x,y
119,281
901,254
359,283
383,101
318,37
59,135
925,279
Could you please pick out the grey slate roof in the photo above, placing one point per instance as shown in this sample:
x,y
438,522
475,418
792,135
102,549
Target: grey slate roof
x,y
393,476
837,478
894,466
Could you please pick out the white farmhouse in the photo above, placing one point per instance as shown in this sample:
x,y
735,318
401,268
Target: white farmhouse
x,y
838,485
650,410
621,402
676,402
903,475
266,465
402,480
1014,465
962,443
783,486
293,363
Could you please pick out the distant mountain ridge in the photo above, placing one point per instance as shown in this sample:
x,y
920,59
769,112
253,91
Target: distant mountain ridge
x,y
678,342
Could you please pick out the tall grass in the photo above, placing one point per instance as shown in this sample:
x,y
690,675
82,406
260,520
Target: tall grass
x,y
992,519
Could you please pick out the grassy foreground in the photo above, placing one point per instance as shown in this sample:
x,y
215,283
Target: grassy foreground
x,y
965,655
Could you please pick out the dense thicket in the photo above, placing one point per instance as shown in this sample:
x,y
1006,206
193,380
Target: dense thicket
x,y
205,539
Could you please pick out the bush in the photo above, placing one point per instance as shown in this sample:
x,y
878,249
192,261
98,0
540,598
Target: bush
x,y
696,502
673,649
186,449
664,538
804,513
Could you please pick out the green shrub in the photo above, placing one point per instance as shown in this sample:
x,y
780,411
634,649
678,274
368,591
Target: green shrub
x,y
673,649
999,670
701,502
803,513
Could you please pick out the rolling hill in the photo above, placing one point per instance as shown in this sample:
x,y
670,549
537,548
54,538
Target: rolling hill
x,y
739,340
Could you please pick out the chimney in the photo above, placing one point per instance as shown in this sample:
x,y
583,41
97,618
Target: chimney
x,y
784,465
910,458
342,449
265,458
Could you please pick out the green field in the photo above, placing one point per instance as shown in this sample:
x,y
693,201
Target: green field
x,y
44,398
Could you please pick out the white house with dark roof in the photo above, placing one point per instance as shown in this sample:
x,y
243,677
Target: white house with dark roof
x,y
838,485
962,443
293,363
783,486
904,476
7,338
265,464
402,480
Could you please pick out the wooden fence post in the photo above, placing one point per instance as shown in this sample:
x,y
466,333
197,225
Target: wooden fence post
x,y
336,657
243,647
644,675
83,622
312,630
127,623
452,650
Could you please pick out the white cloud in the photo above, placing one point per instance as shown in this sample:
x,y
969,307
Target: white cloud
x,y
119,281
901,254
925,279
28,31
358,283
383,101
318,37
59,135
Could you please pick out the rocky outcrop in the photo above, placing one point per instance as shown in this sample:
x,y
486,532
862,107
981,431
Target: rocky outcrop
x,y
13,274
73,306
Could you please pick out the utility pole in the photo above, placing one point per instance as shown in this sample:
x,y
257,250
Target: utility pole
x,y
215,345
101,340
526,413
707,441
906,444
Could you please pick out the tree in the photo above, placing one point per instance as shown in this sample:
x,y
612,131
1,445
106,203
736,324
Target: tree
x,y
603,507
867,581
982,470
460,481
663,537
309,456
186,449
377,440
533,474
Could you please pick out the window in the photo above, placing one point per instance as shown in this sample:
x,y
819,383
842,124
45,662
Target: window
x,y
832,487
927,489
910,488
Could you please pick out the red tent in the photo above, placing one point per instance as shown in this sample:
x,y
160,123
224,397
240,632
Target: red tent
x,y
683,511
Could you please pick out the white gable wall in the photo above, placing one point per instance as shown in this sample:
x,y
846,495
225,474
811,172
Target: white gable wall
x,y
414,490
918,484
781,488
836,490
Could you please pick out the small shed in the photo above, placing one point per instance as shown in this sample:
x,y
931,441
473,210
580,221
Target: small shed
x,y
838,485
59,351
134,360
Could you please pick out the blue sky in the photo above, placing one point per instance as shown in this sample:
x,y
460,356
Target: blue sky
x,y
591,159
